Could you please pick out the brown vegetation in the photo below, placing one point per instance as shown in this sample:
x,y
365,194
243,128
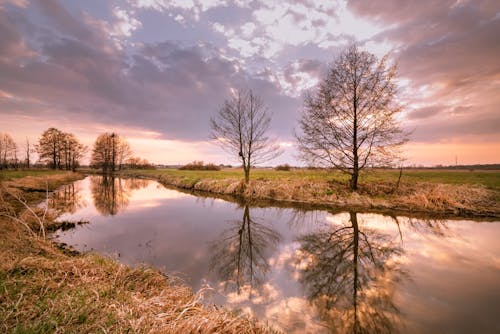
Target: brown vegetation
x,y
46,289
284,168
435,198
199,165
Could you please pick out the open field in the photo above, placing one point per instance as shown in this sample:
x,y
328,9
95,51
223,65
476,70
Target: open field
x,y
44,289
461,193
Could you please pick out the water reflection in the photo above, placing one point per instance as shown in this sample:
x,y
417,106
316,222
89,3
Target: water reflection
x,y
349,274
424,226
111,194
298,270
67,199
240,255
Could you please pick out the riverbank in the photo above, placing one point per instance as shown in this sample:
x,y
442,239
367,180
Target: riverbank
x,y
45,289
460,194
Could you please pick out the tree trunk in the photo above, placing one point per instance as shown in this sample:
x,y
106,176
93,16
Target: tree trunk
x,y
354,178
247,174
54,163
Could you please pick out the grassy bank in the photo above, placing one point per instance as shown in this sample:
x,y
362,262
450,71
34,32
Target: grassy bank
x,y
460,193
44,289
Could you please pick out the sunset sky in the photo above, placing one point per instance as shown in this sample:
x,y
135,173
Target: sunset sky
x,y
156,70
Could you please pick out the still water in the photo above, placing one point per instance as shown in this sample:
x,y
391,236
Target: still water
x,y
301,271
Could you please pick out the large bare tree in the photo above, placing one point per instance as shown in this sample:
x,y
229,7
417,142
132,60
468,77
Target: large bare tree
x,y
240,128
349,122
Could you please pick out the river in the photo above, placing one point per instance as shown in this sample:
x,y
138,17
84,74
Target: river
x,y
302,271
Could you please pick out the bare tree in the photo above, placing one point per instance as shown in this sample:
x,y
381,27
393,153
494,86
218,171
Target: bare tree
x,y
74,152
59,150
240,128
49,147
124,152
350,121
8,151
28,153
110,152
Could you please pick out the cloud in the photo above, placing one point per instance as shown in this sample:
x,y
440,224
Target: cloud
x,y
166,66
171,87
125,24
449,50
425,112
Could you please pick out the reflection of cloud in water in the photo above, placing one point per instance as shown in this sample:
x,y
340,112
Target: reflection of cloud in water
x,y
294,312
149,193
263,294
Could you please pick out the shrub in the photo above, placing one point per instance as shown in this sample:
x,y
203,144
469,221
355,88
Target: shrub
x,y
285,167
138,163
199,165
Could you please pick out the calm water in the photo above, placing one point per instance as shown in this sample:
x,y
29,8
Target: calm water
x,y
301,271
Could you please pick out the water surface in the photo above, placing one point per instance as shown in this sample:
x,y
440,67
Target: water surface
x,y
300,271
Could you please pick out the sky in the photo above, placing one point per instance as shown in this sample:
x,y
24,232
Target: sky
x,y
155,71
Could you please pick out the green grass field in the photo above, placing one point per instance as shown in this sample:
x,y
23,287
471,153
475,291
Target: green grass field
x,y
16,174
490,179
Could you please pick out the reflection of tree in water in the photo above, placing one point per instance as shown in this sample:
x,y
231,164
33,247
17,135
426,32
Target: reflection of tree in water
x,y
135,184
112,194
66,199
350,275
424,226
239,256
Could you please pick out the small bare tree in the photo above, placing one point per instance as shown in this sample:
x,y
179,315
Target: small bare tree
x,y
28,151
8,151
240,128
350,123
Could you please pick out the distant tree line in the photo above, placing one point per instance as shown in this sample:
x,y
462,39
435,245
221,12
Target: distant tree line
x,y
61,150
200,165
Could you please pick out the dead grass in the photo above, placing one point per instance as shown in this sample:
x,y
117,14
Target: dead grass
x,y
52,292
410,196
45,290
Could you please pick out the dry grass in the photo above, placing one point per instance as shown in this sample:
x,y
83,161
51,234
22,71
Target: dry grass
x,y
44,289
88,294
435,198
